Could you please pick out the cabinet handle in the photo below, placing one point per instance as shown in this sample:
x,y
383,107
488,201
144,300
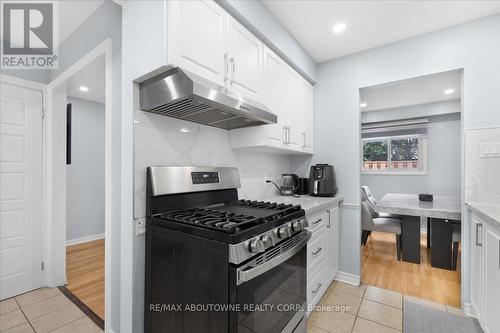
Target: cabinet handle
x,y
317,289
284,135
303,139
329,218
317,221
477,234
288,129
317,251
234,69
226,67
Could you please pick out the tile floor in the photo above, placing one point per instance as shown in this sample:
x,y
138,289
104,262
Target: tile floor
x,y
43,310
367,309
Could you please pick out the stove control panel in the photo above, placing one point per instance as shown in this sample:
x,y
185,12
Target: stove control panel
x,y
205,177
258,244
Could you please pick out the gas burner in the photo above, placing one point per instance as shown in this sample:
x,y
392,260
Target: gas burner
x,y
211,218
261,204
232,217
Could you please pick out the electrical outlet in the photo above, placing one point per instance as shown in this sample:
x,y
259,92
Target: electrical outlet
x,y
140,226
489,150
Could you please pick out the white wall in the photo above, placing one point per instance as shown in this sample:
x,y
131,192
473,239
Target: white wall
x,y
85,174
474,46
443,166
413,111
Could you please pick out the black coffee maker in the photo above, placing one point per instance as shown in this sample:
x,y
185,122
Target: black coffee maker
x,y
322,181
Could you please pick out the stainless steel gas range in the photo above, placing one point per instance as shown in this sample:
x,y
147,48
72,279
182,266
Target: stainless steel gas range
x,y
215,263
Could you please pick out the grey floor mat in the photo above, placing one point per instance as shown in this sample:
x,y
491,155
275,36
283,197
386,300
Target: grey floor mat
x,y
421,319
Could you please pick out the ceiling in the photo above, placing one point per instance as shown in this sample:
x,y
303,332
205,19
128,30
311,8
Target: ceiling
x,y
91,76
419,90
369,23
72,13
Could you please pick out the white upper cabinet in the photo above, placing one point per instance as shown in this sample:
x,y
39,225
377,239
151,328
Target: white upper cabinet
x,y
272,96
198,38
308,117
293,100
245,61
205,40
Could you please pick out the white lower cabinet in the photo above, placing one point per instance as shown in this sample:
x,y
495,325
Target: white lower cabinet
x,y
491,303
322,252
485,273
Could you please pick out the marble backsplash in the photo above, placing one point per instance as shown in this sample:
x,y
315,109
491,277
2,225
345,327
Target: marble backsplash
x,y
160,140
482,180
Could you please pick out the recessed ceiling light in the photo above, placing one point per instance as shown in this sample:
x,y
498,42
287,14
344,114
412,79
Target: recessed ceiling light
x,y
449,91
83,88
184,130
339,28
402,85
363,104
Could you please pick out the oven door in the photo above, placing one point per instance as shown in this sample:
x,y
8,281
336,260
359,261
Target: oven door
x,y
269,291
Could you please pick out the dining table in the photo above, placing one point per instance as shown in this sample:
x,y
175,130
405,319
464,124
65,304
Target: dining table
x,y
440,213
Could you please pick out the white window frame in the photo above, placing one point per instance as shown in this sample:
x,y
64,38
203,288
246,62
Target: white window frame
x,y
422,156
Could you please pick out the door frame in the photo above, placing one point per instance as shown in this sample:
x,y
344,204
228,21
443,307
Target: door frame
x,y
55,242
37,86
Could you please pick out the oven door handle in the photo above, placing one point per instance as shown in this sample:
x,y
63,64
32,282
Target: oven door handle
x,y
243,275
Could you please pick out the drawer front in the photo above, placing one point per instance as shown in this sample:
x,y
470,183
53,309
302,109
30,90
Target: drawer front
x,y
316,220
316,249
317,284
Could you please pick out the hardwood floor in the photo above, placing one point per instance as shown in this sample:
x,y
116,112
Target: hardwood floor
x,y
85,273
380,268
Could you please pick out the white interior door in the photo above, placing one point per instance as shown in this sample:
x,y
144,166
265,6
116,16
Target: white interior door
x,y
20,190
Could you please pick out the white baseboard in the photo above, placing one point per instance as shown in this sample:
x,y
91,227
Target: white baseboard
x,y
347,278
469,310
85,239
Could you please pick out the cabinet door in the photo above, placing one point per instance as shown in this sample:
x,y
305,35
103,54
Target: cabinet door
x,y
307,112
491,305
332,241
292,119
476,264
272,96
245,61
198,38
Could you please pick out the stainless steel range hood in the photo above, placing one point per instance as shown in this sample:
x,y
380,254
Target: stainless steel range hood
x,y
180,94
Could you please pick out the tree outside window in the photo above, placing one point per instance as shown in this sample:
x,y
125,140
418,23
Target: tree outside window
x,y
392,153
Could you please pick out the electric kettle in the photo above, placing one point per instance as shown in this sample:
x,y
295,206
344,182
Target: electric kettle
x,y
291,183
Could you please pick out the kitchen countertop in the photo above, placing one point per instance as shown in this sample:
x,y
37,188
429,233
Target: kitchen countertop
x,y
308,203
408,204
488,212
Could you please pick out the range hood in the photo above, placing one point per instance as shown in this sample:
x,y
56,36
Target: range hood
x,y
180,94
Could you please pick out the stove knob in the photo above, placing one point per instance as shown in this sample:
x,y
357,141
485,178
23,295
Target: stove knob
x,y
284,232
267,240
256,246
305,223
297,225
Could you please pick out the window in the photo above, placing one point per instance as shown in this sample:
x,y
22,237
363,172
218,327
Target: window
x,y
395,155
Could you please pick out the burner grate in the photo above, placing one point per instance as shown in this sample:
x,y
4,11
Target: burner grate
x,y
212,218
232,217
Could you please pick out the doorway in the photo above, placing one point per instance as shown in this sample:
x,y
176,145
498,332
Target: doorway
x,y
85,169
411,144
